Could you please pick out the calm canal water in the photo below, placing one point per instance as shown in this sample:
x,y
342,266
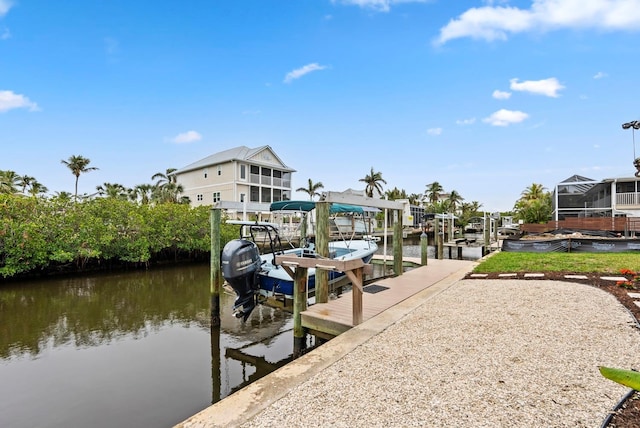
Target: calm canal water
x,y
127,350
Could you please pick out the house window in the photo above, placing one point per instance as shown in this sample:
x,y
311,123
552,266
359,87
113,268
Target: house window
x,y
625,187
277,178
199,197
243,172
216,197
254,194
266,194
266,176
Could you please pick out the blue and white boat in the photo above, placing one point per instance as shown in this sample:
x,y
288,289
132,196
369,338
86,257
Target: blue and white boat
x,y
253,274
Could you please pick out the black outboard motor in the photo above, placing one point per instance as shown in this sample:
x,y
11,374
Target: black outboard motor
x,y
240,266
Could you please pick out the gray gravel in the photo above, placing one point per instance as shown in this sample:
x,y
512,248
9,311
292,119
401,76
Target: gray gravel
x,y
482,353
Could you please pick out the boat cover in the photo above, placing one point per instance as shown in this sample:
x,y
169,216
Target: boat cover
x,y
307,206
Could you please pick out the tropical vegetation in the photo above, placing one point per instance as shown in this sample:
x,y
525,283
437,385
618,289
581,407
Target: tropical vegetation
x,y
115,226
373,182
46,235
78,165
534,205
312,189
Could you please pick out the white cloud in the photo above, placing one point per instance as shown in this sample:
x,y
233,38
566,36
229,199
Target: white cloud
x,y
501,95
378,5
187,137
5,5
5,34
434,131
548,87
497,22
600,75
299,72
470,121
505,117
9,100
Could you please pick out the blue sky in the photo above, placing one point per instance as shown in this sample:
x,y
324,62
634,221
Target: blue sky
x,y
485,97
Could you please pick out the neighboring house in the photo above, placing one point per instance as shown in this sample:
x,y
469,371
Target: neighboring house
x,y
579,196
239,180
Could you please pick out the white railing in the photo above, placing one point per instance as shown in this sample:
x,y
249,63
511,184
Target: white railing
x,y
631,198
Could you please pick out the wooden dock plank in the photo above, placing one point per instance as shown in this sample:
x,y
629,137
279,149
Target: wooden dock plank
x,y
335,316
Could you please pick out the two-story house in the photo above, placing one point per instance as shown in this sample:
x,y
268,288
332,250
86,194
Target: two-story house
x,y
579,196
239,180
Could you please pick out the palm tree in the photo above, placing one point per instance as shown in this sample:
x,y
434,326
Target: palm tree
x,y
373,181
433,192
167,193
78,165
36,188
534,205
311,189
395,194
167,188
454,199
468,210
415,198
9,182
534,210
475,206
144,192
535,191
25,181
62,196
112,190
165,178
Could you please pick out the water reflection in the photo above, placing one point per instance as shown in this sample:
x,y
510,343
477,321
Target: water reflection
x,y
132,349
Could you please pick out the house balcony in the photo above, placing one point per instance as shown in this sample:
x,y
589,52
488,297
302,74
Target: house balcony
x,y
266,180
630,200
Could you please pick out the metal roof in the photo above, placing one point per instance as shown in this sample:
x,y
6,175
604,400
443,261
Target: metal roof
x,y
577,183
241,153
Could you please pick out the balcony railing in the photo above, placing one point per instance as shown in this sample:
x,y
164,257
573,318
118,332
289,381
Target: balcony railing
x,y
269,181
631,198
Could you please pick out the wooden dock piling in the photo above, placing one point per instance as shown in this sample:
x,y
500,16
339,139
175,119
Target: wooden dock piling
x,y
216,274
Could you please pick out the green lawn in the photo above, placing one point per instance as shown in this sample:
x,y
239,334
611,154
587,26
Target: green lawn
x,y
559,262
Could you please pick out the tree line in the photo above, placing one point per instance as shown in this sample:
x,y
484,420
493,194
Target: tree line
x,y
48,235
165,189
533,206
116,226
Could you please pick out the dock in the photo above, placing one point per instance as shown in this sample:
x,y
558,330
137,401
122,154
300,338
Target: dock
x,y
327,320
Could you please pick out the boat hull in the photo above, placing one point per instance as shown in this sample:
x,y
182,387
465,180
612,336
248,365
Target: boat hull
x,y
275,281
